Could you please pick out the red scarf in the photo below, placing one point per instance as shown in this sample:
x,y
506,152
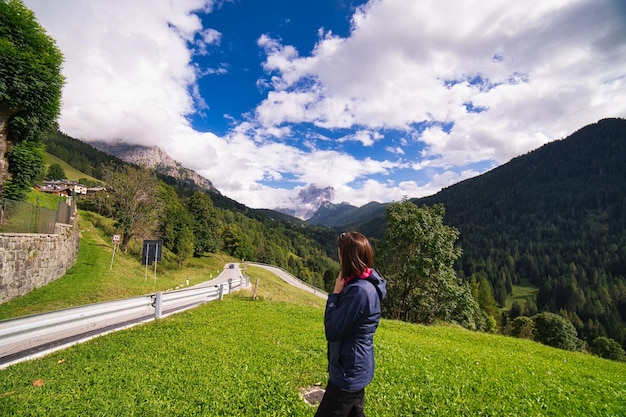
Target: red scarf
x,y
366,274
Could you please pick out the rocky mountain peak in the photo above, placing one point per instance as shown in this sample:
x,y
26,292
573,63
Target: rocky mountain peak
x,y
315,195
308,201
153,157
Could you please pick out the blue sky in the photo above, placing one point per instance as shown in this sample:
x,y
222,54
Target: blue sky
x,y
379,99
237,59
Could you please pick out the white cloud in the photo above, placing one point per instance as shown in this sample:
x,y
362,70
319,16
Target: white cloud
x,y
126,64
534,71
552,66
365,137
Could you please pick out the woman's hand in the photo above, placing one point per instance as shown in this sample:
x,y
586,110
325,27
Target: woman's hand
x,y
339,284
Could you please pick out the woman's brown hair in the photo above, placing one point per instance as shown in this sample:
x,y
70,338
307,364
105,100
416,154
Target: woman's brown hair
x,y
355,254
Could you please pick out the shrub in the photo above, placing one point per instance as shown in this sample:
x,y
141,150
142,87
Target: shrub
x,y
523,327
556,331
608,348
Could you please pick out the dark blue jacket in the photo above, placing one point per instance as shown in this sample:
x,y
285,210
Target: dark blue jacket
x,y
350,321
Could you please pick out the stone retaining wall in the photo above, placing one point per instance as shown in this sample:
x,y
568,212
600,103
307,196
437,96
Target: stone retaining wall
x,y
30,260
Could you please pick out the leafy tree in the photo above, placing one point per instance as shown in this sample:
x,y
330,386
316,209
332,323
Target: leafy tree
x,y
133,201
485,298
176,225
30,93
237,243
516,310
418,258
556,331
608,348
522,327
55,172
206,223
26,168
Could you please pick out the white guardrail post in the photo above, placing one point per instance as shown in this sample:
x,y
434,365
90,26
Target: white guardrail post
x,y
158,305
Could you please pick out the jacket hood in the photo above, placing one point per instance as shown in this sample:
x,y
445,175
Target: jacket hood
x,y
379,283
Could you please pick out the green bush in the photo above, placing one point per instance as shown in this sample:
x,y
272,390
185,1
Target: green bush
x,y
522,327
556,331
607,348
55,172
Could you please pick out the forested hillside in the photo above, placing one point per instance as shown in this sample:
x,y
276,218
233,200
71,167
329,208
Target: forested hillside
x,y
555,217
222,224
79,155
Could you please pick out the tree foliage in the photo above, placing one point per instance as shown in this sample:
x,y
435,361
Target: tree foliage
x,y
608,348
175,225
522,327
206,223
56,172
556,331
26,168
30,91
418,258
132,200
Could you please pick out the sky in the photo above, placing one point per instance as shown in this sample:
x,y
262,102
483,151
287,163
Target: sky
x,y
380,99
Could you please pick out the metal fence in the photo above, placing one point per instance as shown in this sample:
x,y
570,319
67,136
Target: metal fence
x,y
20,217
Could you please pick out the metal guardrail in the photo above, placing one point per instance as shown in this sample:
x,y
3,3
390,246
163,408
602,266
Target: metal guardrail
x,y
291,279
24,337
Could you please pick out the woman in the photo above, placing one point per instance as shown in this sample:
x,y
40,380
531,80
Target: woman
x,y
350,321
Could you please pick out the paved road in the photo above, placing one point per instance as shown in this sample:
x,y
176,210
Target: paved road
x,y
290,279
33,336
37,335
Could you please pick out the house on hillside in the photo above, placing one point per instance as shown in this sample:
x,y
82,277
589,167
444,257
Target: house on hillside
x,y
64,188
95,190
58,188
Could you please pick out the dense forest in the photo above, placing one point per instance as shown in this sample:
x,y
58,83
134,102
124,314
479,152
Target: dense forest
x,y
257,235
555,217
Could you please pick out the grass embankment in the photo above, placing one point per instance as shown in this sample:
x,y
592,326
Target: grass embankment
x,y
71,173
246,358
93,278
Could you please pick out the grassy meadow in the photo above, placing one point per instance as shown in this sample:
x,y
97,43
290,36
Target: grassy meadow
x,y
70,172
94,278
240,357
522,293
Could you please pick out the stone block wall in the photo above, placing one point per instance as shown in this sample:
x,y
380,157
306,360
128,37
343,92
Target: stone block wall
x,y
30,260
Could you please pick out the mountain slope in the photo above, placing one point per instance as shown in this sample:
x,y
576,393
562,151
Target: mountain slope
x,y
155,158
308,201
556,217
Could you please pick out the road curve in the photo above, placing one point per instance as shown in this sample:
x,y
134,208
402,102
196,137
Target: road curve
x,y
33,344
290,279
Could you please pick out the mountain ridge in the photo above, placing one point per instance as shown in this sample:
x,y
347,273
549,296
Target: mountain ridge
x,y
308,201
554,217
155,158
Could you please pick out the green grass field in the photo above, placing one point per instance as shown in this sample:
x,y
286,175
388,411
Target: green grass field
x,y
95,278
241,357
522,293
70,172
